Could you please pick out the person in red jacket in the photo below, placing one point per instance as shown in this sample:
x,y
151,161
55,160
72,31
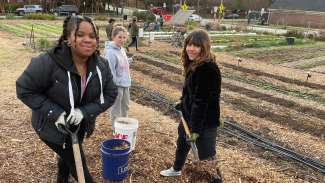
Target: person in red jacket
x,y
199,102
68,85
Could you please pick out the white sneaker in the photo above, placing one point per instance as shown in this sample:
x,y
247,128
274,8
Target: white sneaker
x,y
170,172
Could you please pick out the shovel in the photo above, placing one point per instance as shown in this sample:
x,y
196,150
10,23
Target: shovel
x,y
76,150
188,134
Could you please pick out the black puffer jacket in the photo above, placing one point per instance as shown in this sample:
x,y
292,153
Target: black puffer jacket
x,y
43,87
200,97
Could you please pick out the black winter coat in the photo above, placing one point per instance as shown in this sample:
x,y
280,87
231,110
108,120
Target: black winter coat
x,y
200,98
43,87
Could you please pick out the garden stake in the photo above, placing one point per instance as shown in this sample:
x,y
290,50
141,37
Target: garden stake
x,y
238,61
308,76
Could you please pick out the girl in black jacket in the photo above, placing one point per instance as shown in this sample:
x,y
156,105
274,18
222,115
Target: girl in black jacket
x,y
199,102
71,84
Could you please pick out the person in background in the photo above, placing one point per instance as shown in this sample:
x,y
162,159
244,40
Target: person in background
x,y
70,85
119,64
161,21
157,26
134,32
109,28
199,102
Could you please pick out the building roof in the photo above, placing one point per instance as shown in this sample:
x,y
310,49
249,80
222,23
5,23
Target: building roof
x,y
307,5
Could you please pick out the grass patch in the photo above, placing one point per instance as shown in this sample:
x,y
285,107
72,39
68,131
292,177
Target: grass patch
x,y
40,30
11,16
237,44
39,16
13,29
311,65
283,54
55,29
280,89
166,56
37,32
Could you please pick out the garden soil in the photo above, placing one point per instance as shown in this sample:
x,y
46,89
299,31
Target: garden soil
x,y
24,158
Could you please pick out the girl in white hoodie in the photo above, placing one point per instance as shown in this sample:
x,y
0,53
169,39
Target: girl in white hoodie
x,y
119,65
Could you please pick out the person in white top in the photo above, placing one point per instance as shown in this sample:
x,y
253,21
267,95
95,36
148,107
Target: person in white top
x,y
119,65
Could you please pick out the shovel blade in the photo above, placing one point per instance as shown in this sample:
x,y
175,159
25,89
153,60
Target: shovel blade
x,y
195,151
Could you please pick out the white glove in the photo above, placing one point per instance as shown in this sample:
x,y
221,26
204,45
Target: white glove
x,y
76,117
60,120
130,59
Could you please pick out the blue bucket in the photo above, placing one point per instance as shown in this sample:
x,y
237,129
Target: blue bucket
x,y
115,161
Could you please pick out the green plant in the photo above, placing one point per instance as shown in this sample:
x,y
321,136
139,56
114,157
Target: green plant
x,y
145,16
39,16
43,43
192,25
11,7
10,16
295,33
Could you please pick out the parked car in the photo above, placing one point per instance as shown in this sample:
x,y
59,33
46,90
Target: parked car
x,y
232,16
156,10
195,18
29,9
65,10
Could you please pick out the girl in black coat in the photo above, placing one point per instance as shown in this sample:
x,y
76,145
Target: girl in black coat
x,y
70,84
199,102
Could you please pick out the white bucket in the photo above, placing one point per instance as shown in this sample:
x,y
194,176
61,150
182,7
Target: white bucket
x,y
126,128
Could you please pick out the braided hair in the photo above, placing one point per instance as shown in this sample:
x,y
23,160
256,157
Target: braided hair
x,y
72,23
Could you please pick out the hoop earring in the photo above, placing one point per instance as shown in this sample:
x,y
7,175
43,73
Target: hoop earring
x,y
69,44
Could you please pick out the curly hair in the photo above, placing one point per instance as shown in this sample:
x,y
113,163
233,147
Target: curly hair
x,y
72,23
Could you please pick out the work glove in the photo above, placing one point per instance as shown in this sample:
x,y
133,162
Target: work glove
x,y
130,59
75,118
193,137
60,121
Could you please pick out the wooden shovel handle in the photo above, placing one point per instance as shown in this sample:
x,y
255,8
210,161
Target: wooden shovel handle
x,y
187,130
78,162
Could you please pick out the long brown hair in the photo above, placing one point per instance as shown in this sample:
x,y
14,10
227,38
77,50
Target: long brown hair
x,y
201,39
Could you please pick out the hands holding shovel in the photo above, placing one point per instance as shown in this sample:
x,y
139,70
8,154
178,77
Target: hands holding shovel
x,y
191,137
70,126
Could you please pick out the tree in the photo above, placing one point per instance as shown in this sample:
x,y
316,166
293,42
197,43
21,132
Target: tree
x,y
2,6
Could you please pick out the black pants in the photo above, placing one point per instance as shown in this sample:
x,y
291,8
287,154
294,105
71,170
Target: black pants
x,y
134,40
206,145
66,164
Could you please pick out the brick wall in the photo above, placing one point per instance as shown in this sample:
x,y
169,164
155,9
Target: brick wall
x,y
310,19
